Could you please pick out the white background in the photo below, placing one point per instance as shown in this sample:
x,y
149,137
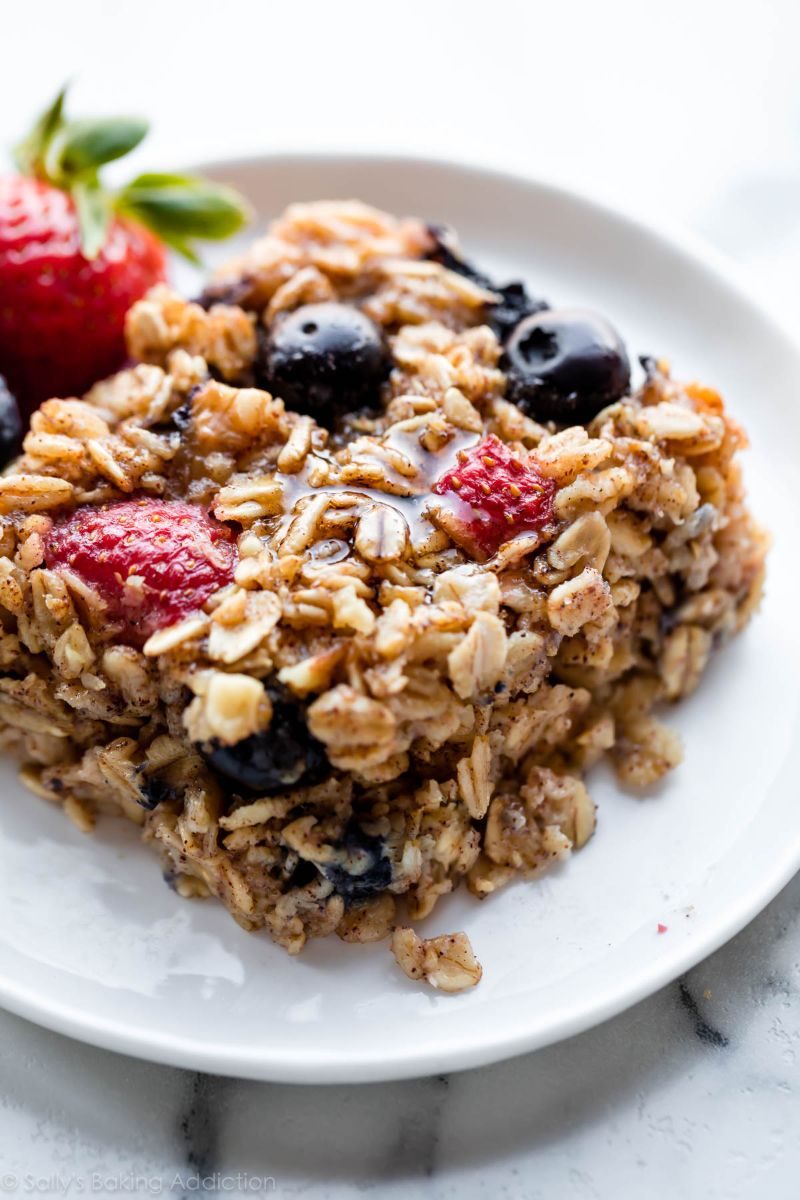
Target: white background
x,y
688,109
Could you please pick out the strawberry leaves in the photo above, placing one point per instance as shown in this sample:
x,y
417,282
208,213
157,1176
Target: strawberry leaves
x,y
94,215
178,209
86,145
29,153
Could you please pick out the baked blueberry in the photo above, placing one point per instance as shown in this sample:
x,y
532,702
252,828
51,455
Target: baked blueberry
x,y
284,755
366,871
324,359
446,251
182,417
10,425
155,791
512,308
514,304
565,365
225,292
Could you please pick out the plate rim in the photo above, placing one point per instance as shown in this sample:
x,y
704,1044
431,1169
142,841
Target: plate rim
x,y
397,1062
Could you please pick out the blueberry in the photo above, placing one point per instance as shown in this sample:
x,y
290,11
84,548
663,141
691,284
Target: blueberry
x,y
182,417
447,252
565,365
171,875
367,870
324,359
231,292
284,755
155,791
10,425
515,303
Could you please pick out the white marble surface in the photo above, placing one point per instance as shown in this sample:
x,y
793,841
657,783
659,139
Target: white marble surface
x,y
690,109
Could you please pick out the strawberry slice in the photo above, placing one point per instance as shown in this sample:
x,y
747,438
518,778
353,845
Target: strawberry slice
x,y
153,562
500,495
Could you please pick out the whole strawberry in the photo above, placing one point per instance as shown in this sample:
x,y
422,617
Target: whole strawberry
x,y
74,257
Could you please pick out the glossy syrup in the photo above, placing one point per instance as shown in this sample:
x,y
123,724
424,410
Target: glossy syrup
x,y
413,502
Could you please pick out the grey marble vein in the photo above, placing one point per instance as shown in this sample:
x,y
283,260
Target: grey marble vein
x,y
703,1030
198,1123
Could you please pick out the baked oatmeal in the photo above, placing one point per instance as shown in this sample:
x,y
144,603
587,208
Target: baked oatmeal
x,y
342,587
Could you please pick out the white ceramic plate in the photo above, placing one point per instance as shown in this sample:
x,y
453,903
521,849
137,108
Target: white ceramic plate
x,y
94,944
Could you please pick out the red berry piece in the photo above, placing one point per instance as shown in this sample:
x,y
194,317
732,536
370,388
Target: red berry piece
x,y
62,315
75,256
153,562
500,494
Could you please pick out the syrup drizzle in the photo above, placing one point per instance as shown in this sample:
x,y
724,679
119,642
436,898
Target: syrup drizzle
x,y
413,506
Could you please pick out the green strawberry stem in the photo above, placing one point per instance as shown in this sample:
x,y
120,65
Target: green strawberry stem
x,y
179,209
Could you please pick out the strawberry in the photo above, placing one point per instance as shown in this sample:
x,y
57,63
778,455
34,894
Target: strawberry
x,y
496,495
152,562
61,314
74,257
